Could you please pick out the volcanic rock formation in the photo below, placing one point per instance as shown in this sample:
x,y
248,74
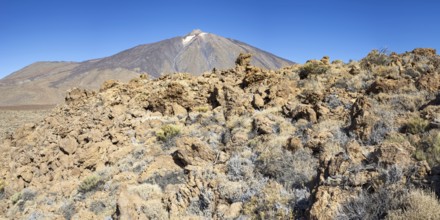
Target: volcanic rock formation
x,y
46,82
316,141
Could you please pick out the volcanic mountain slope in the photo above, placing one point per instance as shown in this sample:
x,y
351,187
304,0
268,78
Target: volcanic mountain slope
x,y
46,82
315,141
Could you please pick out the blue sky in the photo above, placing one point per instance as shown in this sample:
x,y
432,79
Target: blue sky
x,y
77,30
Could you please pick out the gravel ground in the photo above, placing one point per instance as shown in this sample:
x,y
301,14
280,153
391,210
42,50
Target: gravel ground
x,y
13,118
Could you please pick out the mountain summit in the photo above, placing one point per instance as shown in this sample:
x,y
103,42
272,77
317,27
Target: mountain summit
x,y
194,53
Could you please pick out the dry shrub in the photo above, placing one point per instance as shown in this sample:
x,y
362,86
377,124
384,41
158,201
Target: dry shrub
x,y
272,203
418,205
416,125
429,148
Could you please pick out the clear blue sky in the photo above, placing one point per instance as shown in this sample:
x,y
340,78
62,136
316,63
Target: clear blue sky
x,y
77,30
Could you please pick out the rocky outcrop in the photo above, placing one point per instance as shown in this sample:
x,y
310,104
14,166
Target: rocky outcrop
x,y
237,143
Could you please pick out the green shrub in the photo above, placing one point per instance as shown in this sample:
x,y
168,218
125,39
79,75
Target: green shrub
x,y
312,67
89,183
167,132
16,197
201,109
429,149
375,58
416,125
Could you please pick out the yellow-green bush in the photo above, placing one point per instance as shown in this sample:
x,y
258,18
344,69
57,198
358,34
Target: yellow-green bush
x,y
418,205
201,108
167,132
312,67
16,197
416,125
89,183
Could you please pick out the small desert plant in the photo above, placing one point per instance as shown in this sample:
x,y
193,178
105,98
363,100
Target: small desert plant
x,y
16,197
20,198
97,207
393,175
338,62
240,168
28,194
416,125
274,202
429,149
375,205
312,67
89,183
418,205
333,101
168,132
67,210
375,58
2,187
203,205
147,191
201,109
291,170
378,134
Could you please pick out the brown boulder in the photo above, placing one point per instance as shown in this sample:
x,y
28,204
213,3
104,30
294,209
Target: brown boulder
x,y
393,153
192,151
301,111
258,101
77,94
327,202
244,59
425,52
263,125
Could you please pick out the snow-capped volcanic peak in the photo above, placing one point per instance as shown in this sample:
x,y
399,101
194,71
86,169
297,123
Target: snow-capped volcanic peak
x,y
188,38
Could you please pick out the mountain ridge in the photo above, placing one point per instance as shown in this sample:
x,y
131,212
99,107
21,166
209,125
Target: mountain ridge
x,y
194,53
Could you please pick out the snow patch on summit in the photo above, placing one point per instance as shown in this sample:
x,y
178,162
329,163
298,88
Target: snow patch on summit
x,y
187,39
195,33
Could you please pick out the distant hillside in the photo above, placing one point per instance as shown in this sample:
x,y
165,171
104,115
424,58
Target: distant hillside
x,y
195,53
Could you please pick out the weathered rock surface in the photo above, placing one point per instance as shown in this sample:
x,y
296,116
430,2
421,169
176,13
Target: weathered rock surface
x,y
241,143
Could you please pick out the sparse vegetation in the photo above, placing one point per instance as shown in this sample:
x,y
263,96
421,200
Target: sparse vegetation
x,y
68,209
375,58
417,205
319,147
89,183
168,132
97,207
273,202
2,187
416,125
429,149
15,197
313,67
201,108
